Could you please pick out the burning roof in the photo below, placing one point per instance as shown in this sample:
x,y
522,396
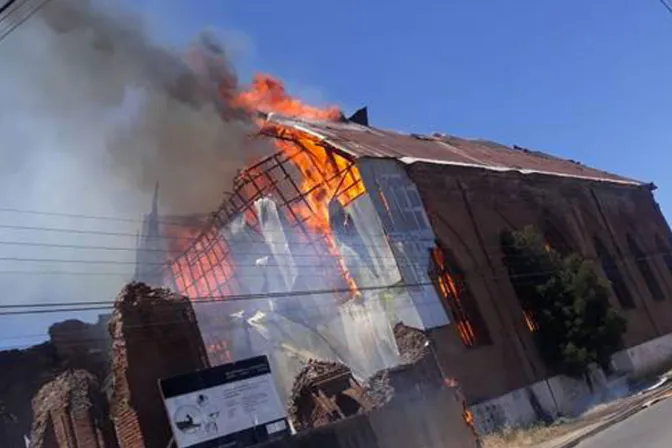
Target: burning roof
x,y
360,141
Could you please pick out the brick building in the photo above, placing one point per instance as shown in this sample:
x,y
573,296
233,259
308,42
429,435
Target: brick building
x,y
71,411
154,335
426,212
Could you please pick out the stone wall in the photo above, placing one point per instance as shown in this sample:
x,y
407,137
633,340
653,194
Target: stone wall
x,y
469,208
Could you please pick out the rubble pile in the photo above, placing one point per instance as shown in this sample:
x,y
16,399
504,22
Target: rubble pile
x,y
379,387
414,353
413,344
324,392
137,294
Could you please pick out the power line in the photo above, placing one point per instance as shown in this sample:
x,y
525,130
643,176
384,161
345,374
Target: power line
x,y
103,218
163,237
327,256
239,297
23,19
6,6
666,5
165,251
232,297
159,323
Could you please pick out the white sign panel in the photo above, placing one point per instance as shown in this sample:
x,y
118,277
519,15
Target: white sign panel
x,y
233,405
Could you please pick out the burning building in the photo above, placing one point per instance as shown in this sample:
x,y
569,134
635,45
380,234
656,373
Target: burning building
x,y
347,230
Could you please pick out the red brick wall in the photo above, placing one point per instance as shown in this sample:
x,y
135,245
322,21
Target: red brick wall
x,y
68,413
469,208
155,335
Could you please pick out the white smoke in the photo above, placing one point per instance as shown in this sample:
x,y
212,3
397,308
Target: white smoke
x,y
92,115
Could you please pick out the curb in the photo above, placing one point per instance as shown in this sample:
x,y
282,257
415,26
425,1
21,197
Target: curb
x,y
617,419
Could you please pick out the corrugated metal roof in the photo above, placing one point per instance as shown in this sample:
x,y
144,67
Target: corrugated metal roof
x,y
363,141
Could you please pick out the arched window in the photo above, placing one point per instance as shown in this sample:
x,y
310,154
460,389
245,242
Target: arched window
x,y
452,287
664,251
614,275
644,267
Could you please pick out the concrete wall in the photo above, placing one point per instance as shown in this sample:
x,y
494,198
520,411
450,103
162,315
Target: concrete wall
x,y
548,399
431,421
469,208
644,358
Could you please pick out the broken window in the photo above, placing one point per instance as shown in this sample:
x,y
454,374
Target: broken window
x,y
614,275
452,287
642,263
664,251
555,239
403,204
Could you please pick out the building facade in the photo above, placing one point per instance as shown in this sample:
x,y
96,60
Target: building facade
x,y
348,230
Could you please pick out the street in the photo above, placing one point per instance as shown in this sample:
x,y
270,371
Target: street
x,y
650,428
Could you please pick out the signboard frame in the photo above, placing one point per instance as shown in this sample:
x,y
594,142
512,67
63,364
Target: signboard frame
x,y
233,405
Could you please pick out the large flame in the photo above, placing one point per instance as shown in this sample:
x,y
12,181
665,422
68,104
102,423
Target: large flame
x,y
325,176
451,294
267,94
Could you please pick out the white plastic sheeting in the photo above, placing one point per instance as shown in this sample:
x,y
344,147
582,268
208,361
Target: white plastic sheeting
x,y
397,201
301,325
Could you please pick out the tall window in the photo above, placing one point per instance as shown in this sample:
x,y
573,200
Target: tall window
x,y
614,275
451,286
555,239
664,251
642,262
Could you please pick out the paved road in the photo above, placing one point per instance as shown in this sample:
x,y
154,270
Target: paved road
x,y
651,428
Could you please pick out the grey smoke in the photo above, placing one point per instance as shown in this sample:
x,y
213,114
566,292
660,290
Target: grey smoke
x,y
89,70
92,114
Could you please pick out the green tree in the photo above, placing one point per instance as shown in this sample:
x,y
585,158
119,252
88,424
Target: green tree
x,y
566,301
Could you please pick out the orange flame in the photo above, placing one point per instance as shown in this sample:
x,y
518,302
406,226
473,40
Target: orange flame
x,y
268,94
451,294
325,175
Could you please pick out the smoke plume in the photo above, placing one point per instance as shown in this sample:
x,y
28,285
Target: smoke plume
x,y
93,114
158,115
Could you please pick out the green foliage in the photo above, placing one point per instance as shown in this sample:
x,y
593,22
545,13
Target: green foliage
x,y
568,301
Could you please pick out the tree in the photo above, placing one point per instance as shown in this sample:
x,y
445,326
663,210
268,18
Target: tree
x,y
566,302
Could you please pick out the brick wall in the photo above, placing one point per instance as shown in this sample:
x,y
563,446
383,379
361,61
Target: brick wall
x,y
155,335
69,412
468,209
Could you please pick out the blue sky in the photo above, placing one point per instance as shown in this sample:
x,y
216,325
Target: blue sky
x,y
587,80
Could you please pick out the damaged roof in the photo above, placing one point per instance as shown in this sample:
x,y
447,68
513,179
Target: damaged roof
x,y
364,141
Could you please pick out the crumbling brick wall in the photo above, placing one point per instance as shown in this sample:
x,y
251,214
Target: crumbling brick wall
x,y
155,335
72,345
70,411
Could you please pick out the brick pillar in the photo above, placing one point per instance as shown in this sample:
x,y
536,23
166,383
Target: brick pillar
x,y
154,335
